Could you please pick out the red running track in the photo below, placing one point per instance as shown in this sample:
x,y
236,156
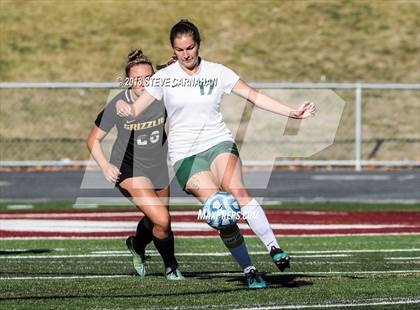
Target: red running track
x,y
121,223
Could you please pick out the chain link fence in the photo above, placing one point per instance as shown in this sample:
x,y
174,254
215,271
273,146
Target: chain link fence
x,y
48,123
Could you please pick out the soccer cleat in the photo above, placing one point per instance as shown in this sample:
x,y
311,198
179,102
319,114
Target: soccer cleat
x,y
173,274
254,280
139,260
280,258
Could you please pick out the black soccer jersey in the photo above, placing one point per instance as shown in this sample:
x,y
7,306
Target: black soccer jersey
x,y
141,141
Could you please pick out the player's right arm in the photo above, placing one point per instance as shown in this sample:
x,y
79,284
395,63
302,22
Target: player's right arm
x,y
95,137
124,109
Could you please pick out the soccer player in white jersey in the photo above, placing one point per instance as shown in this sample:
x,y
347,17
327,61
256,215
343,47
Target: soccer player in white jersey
x,y
201,147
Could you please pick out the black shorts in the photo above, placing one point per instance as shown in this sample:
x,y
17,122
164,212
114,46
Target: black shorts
x,y
158,174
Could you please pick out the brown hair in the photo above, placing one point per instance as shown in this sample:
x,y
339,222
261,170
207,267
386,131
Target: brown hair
x,y
184,26
136,57
171,60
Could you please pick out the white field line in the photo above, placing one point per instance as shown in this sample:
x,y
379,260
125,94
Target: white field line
x,y
341,304
406,177
294,255
303,273
105,214
373,234
66,277
227,274
117,252
70,214
66,256
126,253
19,207
345,304
14,249
5,183
298,254
362,251
86,206
79,226
343,177
156,254
108,214
403,258
214,237
79,214
337,304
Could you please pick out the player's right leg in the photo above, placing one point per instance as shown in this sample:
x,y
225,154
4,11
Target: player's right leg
x,y
137,245
202,186
147,200
228,170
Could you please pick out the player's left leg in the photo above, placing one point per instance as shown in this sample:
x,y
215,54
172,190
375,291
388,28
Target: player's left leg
x,y
137,243
144,236
227,168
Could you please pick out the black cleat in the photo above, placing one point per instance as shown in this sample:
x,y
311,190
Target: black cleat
x,y
280,258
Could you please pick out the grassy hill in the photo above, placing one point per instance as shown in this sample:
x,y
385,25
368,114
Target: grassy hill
x,y
340,40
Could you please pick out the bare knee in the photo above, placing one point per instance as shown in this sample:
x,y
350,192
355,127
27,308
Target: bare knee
x,y
240,193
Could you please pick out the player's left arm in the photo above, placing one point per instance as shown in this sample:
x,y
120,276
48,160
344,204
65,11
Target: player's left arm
x,y
267,103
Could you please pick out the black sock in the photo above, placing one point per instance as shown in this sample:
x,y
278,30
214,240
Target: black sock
x,y
166,248
143,237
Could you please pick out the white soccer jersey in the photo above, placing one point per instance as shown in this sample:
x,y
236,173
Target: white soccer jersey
x,y
193,106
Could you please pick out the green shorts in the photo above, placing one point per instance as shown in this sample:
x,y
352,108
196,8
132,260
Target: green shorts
x,y
187,167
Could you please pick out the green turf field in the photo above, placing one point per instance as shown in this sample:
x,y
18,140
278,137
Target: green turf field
x,y
335,272
81,274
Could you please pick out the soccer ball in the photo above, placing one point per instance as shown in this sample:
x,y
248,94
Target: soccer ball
x,y
221,210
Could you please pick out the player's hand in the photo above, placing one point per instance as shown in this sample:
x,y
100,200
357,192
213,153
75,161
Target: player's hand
x,y
110,172
307,109
123,109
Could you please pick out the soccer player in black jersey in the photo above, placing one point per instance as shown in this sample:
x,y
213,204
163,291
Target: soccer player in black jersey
x,y
138,165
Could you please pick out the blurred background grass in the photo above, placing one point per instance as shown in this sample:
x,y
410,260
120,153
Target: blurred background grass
x,y
275,41
295,41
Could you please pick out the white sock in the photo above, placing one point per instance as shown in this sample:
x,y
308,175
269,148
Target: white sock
x,y
234,241
256,219
248,269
